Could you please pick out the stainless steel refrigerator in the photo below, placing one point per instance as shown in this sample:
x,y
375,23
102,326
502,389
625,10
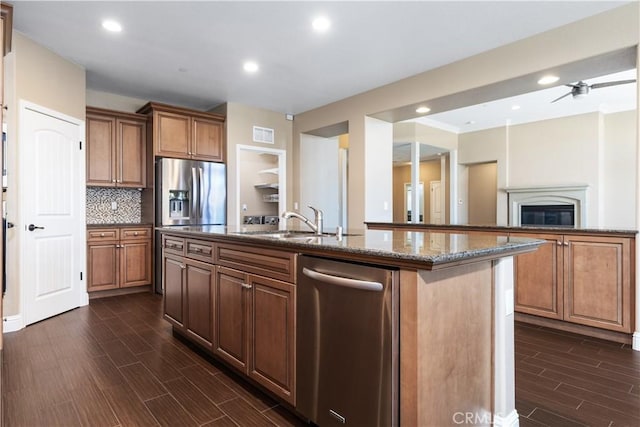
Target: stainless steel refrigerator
x,y
188,192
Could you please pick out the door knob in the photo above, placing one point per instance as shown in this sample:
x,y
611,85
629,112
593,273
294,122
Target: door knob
x,y
34,227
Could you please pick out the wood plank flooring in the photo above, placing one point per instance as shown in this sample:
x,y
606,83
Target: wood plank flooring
x,y
116,363
564,379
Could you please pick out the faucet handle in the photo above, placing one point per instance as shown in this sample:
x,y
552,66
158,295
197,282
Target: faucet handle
x,y
317,212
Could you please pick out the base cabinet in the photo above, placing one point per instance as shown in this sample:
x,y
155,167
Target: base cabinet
x,y
244,318
188,292
118,258
254,324
580,279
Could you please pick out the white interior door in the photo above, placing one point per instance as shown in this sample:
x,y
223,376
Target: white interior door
x,y
435,202
52,194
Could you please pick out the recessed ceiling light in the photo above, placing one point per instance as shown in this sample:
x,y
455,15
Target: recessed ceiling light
x,y
321,24
422,110
111,25
547,80
250,67
515,107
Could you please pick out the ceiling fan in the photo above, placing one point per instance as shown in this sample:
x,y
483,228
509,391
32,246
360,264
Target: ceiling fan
x,y
582,89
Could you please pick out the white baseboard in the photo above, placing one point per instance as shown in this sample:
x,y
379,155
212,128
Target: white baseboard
x,y
12,323
636,340
510,420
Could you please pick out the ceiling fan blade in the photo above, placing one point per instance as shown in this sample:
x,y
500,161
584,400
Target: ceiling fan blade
x,y
558,99
605,84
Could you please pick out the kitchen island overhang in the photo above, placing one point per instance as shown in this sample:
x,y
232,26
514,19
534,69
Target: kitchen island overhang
x,y
456,352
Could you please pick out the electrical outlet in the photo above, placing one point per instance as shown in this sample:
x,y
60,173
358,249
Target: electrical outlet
x,y
295,206
114,206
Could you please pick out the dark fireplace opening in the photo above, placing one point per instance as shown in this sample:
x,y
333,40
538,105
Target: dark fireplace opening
x,y
548,215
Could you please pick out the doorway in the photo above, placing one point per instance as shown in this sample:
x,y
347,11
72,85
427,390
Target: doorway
x,y
261,183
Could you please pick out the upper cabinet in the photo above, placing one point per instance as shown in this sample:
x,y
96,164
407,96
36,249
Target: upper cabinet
x,y
185,134
116,149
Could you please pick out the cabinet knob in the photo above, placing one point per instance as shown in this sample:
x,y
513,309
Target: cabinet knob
x,y
566,243
101,234
113,180
182,266
558,242
135,233
246,286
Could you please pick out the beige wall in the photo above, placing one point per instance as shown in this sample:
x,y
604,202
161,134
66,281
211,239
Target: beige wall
x,y
113,101
594,149
483,179
546,51
37,75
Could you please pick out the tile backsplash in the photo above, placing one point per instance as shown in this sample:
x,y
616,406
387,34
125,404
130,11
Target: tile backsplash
x,y
100,202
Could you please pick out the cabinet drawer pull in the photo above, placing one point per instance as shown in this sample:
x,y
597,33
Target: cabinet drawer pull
x,y
196,249
559,243
566,243
182,266
246,286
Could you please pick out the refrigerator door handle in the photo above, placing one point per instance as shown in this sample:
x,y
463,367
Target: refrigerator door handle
x,y
195,192
201,192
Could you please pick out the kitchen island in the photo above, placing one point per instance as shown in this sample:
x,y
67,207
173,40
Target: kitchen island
x,y
234,293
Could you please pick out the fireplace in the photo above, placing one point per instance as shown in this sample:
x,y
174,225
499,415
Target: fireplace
x,y
548,215
558,206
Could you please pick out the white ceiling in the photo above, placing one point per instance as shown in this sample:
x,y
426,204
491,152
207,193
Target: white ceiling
x,y
537,105
191,53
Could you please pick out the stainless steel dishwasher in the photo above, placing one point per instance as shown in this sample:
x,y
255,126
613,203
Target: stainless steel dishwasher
x,y
347,343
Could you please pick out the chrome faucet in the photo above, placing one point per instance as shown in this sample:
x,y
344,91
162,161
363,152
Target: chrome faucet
x,y
316,225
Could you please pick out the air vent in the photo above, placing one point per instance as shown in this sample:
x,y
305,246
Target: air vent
x,y
264,135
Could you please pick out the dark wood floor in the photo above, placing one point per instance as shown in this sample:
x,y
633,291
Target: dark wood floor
x,y
116,363
564,379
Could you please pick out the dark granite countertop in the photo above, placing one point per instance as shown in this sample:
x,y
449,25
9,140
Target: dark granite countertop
x,y
508,228
121,225
427,250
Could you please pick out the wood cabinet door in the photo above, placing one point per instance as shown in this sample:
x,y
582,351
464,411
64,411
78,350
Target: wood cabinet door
x,y
538,278
598,282
272,335
102,263
172,135
131,149
135,263
101,151
230,317
174,278
199,298
207,142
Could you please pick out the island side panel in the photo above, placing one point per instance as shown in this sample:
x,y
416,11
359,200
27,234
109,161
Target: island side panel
x,y
446,353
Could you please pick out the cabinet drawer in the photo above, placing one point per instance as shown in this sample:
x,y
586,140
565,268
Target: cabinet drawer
x,y
102,234
265,262
173,245
135,233
200,250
